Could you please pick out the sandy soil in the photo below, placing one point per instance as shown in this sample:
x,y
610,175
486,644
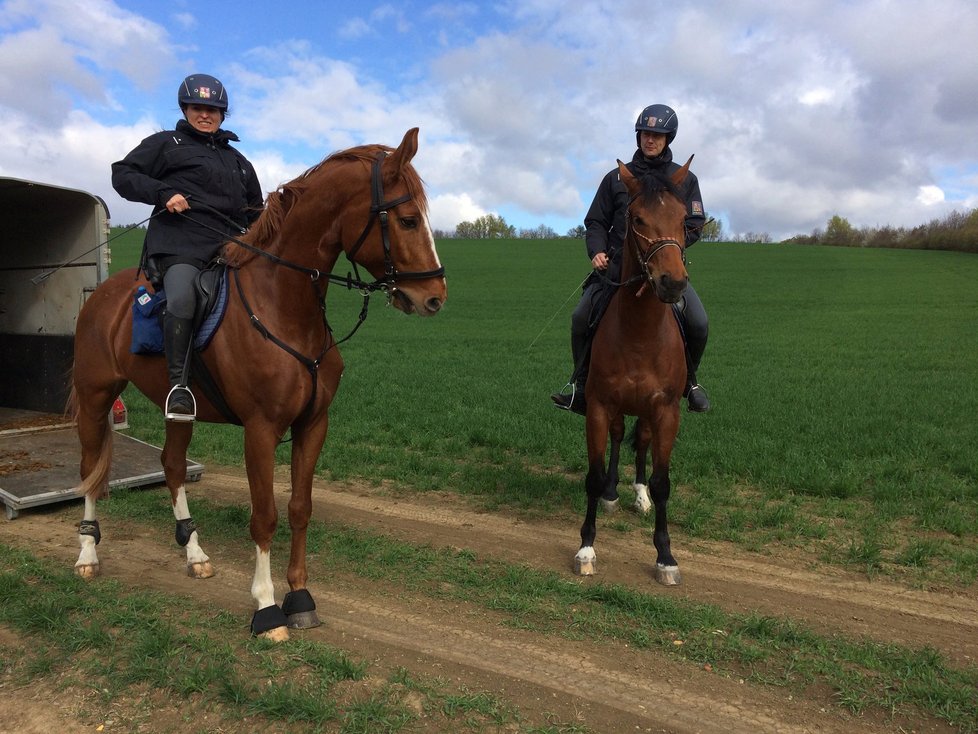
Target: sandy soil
x,y
605,686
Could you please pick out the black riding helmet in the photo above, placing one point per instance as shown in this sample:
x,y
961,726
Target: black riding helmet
x,y
203,89
657,118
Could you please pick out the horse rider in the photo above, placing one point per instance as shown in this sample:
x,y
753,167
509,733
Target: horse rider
x,y
202,190
605,224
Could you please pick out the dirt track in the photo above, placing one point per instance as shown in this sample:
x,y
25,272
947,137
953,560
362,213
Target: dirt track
x,y
608,687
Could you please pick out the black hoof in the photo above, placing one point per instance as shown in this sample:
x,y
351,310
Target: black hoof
x,y
300,610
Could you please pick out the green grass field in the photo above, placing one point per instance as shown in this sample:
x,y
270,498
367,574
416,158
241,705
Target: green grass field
x,y
844,384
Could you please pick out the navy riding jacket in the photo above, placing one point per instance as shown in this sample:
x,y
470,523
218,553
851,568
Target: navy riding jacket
x,y
217,180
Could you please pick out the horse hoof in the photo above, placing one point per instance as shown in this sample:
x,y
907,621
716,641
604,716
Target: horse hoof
x,y
88,570
277,634
200,570
642,502
585,562
304,620
610,508
667,575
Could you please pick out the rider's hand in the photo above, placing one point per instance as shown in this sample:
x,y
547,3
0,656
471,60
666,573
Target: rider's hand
x,y
600,261
176,204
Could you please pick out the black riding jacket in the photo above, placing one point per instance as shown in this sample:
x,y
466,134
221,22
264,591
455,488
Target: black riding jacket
x,y
208,172
605,221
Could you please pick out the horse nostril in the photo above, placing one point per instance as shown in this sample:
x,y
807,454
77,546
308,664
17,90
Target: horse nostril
x,y
433,304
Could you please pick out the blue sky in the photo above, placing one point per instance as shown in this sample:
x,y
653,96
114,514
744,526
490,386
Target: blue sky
x,y
866,109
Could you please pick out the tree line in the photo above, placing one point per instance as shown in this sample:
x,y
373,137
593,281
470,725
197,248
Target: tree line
x,y
955,231
493,226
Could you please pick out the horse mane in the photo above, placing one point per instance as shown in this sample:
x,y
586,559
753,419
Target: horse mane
x,y
655,182
281,201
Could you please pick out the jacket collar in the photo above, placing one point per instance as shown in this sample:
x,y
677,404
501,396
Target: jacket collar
x,y
222,137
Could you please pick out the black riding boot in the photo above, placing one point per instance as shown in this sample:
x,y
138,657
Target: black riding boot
x,y
177,336
574,400
697,401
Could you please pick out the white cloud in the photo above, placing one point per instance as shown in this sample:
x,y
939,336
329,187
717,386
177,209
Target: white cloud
x,y
817,96
930,195
447,210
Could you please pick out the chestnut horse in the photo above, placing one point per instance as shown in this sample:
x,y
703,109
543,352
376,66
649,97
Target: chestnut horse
x,y
638,364
273,358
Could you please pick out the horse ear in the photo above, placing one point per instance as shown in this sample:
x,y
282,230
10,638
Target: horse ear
x,y
402,155
679,176
631,183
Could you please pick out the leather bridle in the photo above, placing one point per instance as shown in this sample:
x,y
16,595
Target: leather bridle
x,y
379,213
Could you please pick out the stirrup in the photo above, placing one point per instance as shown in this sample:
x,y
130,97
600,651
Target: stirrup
x,y
573,401
180,417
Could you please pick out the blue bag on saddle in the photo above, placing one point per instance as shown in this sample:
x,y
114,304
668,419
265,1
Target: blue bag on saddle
x,y
147,331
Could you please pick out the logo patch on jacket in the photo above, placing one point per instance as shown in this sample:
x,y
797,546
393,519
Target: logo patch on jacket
x,y
696,207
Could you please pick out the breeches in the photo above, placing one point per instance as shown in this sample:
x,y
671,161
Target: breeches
x,y
181,297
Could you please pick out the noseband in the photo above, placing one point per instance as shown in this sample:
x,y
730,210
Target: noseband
x,y
379,213
655,245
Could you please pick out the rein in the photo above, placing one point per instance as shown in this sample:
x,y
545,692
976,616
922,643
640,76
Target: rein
x,y
378,212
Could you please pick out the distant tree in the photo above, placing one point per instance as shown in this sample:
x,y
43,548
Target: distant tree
x,y
839,232
488,226
755,238
712,231
577,232
885,236
542,232
443,234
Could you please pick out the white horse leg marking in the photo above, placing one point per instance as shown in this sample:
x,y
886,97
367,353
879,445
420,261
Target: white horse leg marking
x,y
198,564
642,501
262,588
87,565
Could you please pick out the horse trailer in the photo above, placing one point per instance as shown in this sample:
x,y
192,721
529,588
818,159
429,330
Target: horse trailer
x,y
53,255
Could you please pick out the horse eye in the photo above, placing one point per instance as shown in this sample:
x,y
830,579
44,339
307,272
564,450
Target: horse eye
x,y
409,222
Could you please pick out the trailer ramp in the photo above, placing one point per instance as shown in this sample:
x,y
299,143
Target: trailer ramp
x,y
39,458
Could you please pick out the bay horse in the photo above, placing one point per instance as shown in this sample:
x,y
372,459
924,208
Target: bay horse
x,y
638,364
273,358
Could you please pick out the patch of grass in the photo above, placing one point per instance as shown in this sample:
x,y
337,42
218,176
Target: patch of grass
x,y
479,707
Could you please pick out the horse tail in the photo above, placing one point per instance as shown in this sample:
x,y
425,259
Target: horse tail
x,y
71,405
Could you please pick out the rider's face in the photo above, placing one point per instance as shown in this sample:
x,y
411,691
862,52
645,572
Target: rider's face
x,y
203,118
652,144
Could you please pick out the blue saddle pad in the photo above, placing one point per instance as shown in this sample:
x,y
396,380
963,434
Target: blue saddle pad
x,y
147,326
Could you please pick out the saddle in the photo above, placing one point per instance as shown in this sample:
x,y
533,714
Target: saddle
x,y
211,285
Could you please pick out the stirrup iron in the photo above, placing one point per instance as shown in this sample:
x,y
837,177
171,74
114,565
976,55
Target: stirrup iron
x,y
180,417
